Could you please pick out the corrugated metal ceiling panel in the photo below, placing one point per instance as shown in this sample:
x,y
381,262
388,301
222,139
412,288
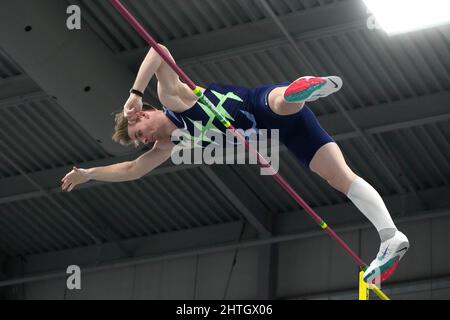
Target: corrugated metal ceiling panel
x,y
39,135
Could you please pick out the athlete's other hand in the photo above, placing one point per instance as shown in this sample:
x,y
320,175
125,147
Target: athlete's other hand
x,y
132,107
73,178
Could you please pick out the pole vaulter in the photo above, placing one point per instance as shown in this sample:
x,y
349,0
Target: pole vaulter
x,y
260,159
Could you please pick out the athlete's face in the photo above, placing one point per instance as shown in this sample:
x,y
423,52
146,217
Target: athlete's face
x,y
147,128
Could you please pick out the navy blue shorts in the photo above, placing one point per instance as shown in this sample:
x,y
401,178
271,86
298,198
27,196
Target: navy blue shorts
x,y
300,132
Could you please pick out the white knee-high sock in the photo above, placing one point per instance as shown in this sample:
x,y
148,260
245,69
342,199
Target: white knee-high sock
x,y
370,203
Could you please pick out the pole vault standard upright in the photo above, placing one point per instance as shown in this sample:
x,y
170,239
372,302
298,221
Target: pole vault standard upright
x,y
261,160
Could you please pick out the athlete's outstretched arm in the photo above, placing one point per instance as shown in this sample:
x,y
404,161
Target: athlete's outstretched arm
x,y
120,172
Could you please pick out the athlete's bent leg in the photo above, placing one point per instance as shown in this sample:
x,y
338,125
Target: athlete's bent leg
x,y
280,106
309,89
291,99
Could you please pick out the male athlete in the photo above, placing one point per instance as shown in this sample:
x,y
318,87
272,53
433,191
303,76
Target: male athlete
x,y
279,106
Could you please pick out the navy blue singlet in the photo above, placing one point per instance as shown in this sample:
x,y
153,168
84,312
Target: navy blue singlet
x,y
249,109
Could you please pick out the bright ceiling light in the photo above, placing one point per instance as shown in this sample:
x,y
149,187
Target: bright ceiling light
x,y
399,16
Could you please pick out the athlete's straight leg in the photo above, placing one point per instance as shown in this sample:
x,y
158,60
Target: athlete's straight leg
x,y
329,163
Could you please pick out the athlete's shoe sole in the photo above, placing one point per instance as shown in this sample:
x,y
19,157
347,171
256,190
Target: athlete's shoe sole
x,y
307,89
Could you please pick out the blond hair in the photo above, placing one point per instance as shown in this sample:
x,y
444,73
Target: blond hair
x,y
121,127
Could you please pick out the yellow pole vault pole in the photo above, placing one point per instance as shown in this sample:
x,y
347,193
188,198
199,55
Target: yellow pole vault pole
x,y
210,106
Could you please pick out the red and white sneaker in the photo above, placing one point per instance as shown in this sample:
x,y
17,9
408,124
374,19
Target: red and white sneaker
x,y
391,251
308,89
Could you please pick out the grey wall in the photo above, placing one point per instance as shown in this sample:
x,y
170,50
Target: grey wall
x,y
309,268
323,270
172,279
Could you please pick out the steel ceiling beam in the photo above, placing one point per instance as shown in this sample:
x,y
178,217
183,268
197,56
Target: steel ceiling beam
x,y
246,38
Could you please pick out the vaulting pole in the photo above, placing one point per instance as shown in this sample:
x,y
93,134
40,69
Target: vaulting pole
x,y
261,160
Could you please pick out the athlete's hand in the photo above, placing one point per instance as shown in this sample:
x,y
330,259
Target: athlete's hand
x,y
132,107
73,178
